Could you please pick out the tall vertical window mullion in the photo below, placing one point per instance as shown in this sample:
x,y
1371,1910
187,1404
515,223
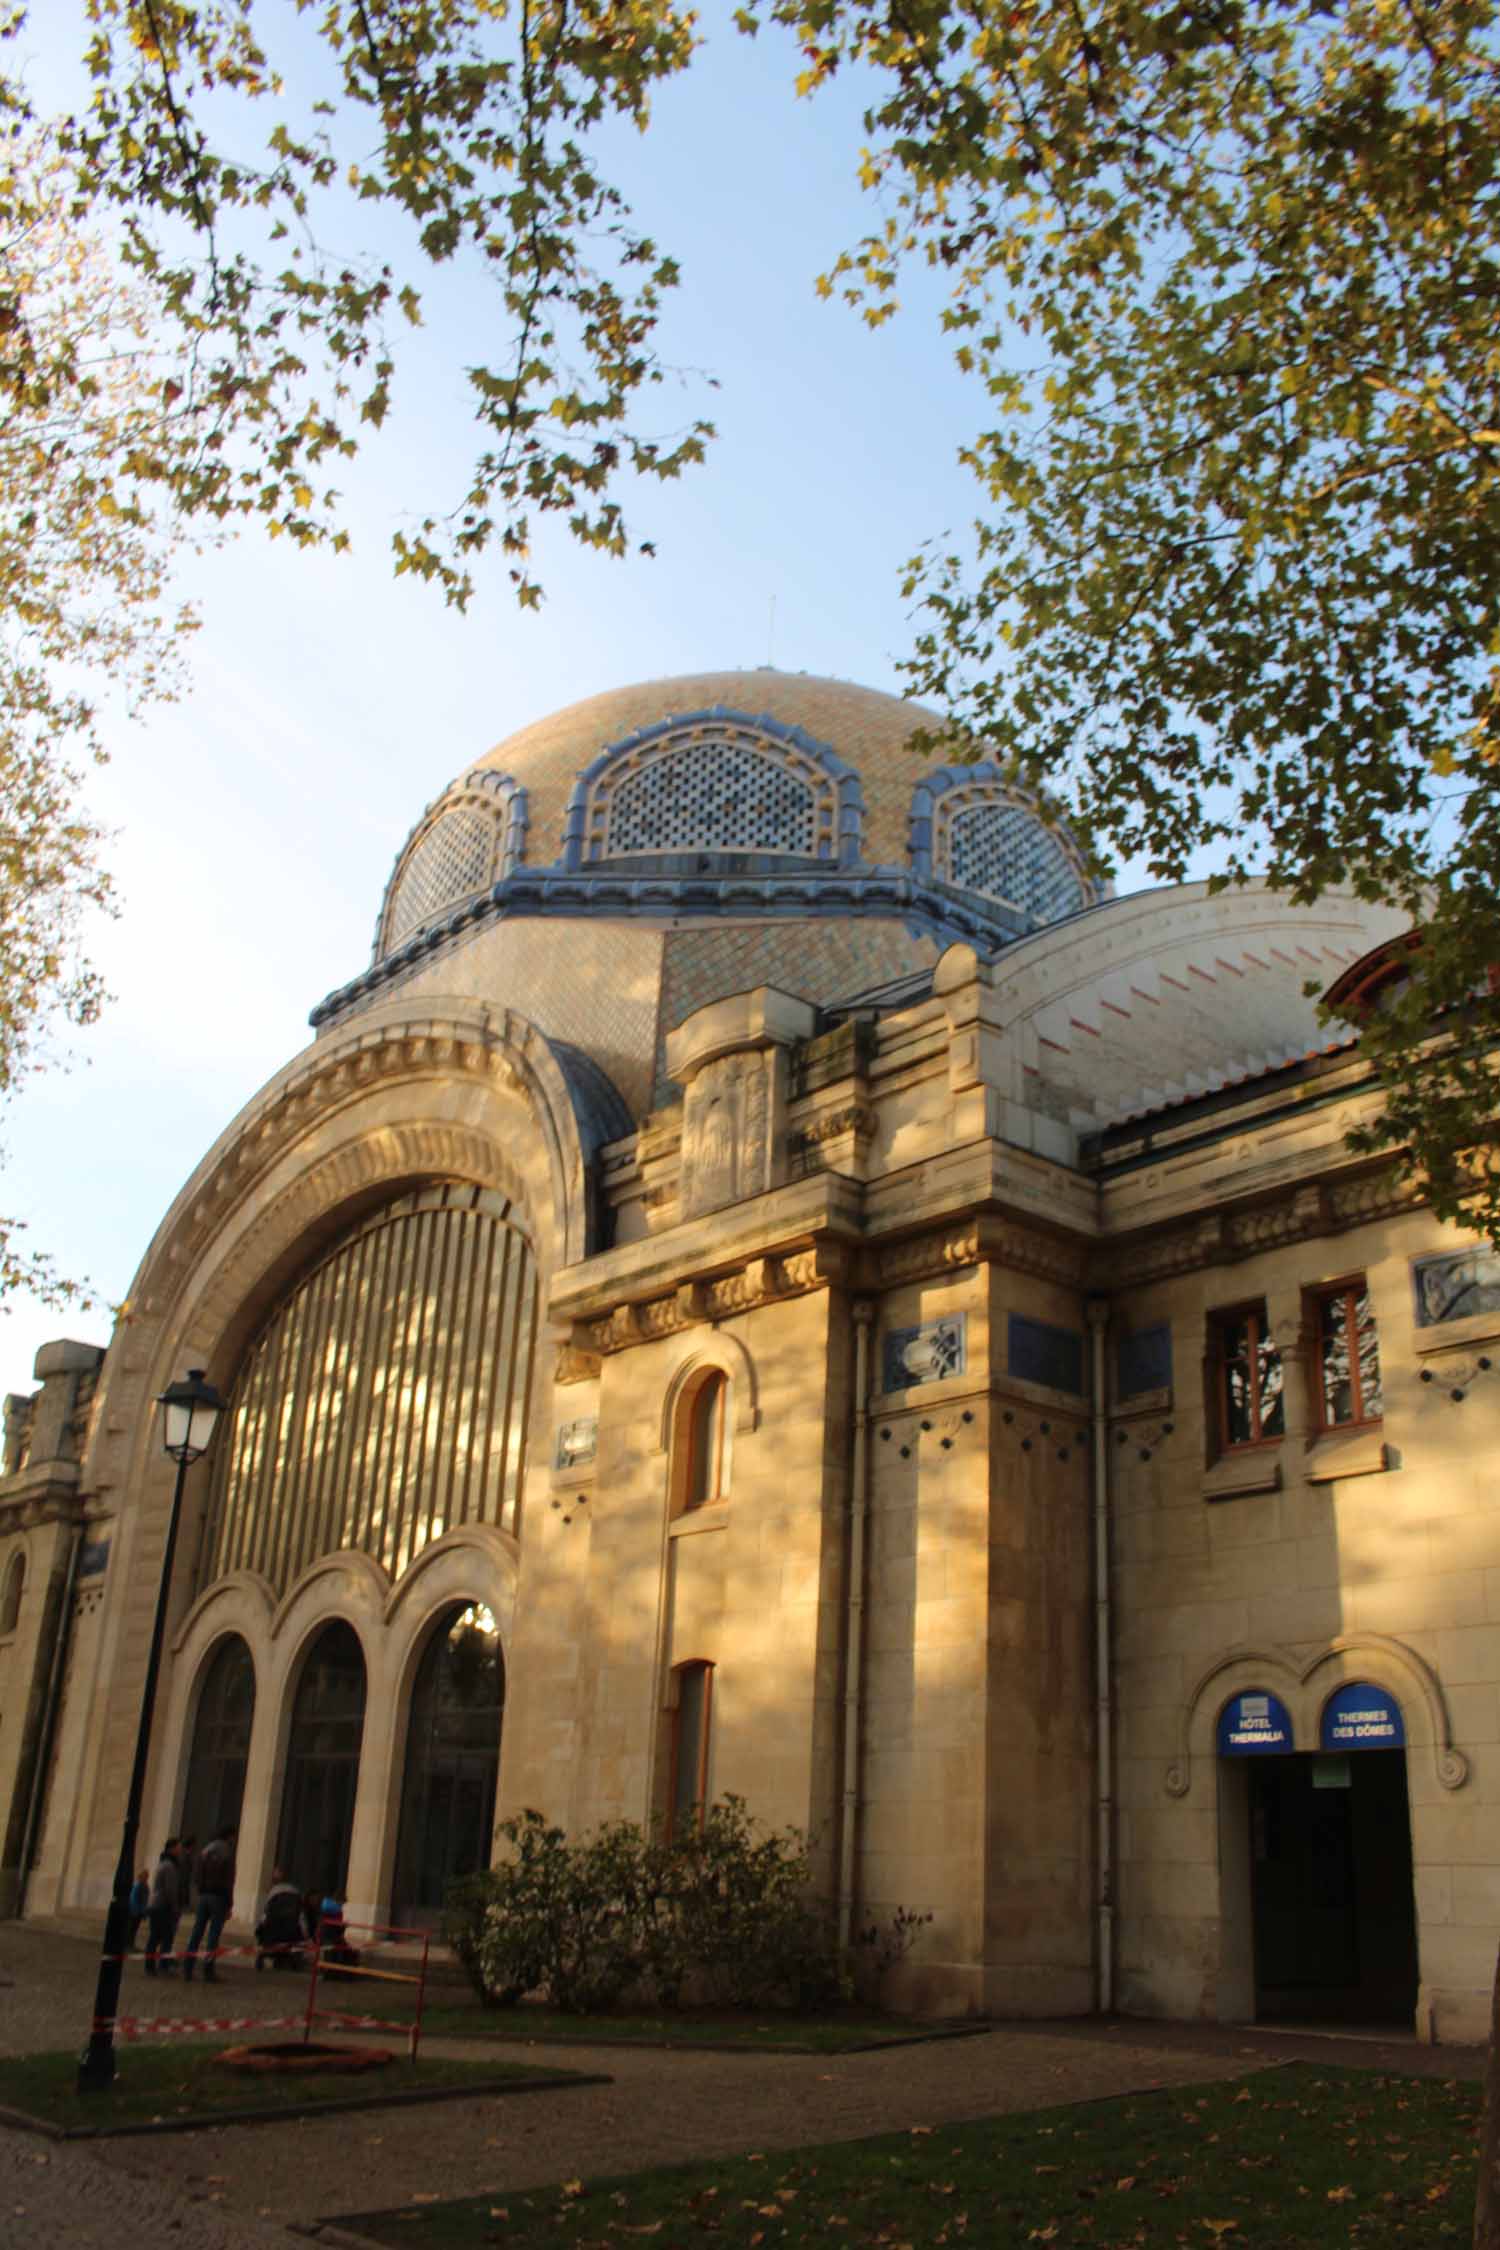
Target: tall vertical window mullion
x,y
461,1407
322,1324
375,1474
434,1389
355,1381
423,1240
386,1398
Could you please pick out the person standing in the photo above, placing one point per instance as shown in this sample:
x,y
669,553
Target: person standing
x,y
214,1876
140,1905
163,1907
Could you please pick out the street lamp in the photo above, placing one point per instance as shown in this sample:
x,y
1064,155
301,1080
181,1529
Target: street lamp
x,y
190,1415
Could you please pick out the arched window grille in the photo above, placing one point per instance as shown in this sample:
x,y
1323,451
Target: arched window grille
x,y
716,783
468,840
972,827
705,1441
10,1600
691,1722
221,1741
385,1401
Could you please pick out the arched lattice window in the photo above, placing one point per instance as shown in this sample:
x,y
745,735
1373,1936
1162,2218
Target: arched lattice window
x,y
385,1401
10,1599
469,839
322,1763
221,1742
452,1759
703,1441
715,783
972,828
691,1723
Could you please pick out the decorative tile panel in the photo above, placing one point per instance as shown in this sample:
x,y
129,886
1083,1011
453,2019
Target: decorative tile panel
x,y
1456,1285
577,1442
1038,1353
926,1354
1143,1361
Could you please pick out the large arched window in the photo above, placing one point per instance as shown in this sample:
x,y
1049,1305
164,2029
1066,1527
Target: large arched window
x,y
452,1760
10,1599
690,1719
704,1440
221,1742
322,1763
385,1401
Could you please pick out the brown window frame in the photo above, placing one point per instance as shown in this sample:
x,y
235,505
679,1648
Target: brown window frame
x,y
1347,1291
1252,1317
698,1666
703,1483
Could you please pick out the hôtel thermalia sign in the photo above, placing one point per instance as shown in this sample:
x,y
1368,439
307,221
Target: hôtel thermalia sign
x,y
1254,1724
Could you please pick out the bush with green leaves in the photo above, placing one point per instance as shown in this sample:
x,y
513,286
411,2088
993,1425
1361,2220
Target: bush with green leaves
x,y
725,1915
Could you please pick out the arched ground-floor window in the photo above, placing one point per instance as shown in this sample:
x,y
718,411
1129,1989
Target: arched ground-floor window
x,y
322,1763
452,1760
215,1786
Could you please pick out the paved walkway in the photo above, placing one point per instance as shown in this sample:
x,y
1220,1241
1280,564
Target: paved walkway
x,y
239,2187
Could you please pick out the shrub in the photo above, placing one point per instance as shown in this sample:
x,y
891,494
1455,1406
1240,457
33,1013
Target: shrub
x,y
725,1915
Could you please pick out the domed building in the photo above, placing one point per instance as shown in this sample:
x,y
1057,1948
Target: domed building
x,y
772,1280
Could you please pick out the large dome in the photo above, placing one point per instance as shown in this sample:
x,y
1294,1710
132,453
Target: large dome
x,y
803,788
730,801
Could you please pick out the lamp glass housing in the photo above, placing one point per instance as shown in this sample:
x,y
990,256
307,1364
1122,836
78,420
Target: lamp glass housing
x,y
190,1415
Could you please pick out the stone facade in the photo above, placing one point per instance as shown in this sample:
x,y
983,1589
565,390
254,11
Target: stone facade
x,y
959,1243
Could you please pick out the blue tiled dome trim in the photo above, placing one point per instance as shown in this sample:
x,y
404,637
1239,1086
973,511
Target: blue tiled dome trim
x,y
848,794
928,909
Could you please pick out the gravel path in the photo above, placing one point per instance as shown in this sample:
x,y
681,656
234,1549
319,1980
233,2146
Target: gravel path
x,y
240,2185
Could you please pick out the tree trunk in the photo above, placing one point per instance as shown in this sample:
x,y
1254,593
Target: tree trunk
x,y
1487,2201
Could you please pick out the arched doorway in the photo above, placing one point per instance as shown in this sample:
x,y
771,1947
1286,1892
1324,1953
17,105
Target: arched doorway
x,y
221,1742
322,1763
452,1760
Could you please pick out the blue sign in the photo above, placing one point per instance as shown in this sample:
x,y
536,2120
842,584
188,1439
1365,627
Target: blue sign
x,y
1253,1724
1361,1717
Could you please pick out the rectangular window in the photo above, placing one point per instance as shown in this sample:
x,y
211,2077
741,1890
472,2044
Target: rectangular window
x,y
690,1724
1246,1378
1348,1357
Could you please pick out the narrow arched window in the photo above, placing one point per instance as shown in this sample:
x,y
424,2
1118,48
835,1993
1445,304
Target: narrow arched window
x,y
15,1587
692,1717
706,1442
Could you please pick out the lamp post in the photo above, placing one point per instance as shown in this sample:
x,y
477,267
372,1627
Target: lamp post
x,y
190,1415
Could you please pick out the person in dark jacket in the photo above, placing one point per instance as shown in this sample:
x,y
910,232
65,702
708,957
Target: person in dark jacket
x,y
164,1906
215,1880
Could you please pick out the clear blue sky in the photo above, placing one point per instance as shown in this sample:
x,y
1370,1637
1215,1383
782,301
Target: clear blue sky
x,y
257,821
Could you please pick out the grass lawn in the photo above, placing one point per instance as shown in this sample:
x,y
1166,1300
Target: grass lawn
x,y
181,2082
807,2035
1287,2159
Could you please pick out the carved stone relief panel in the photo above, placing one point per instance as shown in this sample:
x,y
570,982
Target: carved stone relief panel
x,y
728,1131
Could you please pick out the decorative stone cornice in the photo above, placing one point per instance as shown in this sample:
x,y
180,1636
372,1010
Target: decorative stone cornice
x,y
1221,1237
826,1264
759,1281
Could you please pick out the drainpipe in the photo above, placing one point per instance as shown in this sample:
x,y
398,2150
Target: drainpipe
x,y
854,1622
38,1790
1098,1317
